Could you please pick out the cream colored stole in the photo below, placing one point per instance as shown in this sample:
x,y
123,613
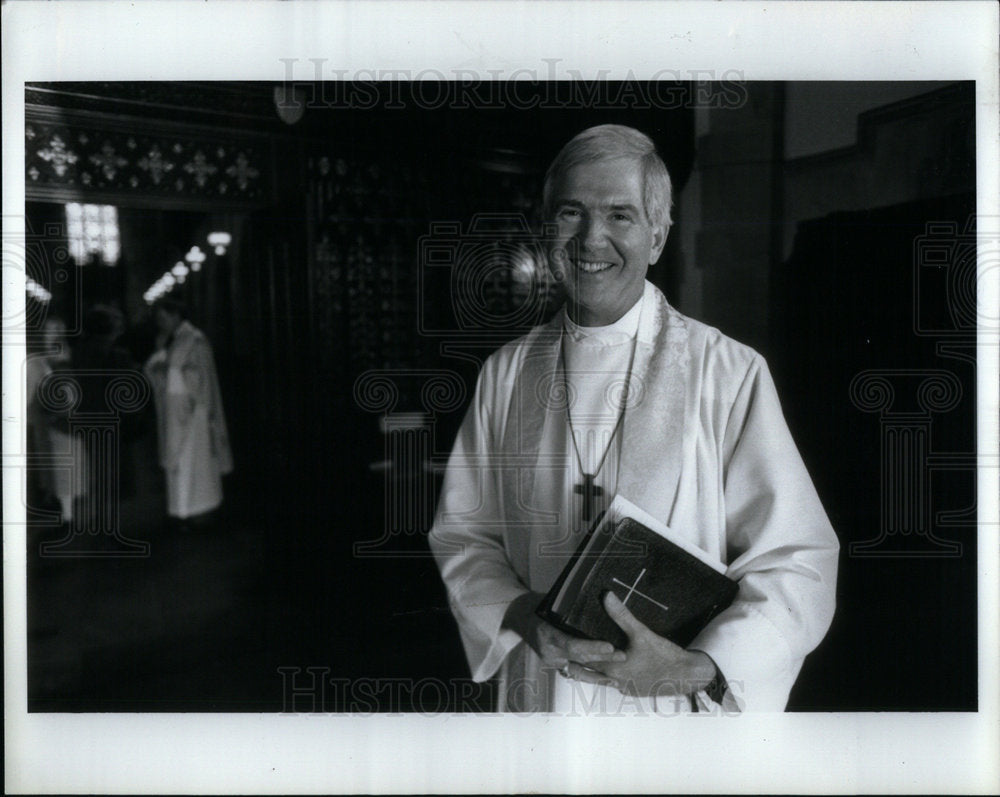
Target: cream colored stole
x,y
539,459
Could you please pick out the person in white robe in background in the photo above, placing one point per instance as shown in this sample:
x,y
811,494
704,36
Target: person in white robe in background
x,y
49,437
702,445
193,441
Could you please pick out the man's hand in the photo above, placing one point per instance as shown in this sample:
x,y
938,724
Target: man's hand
x,y
554,647
653,665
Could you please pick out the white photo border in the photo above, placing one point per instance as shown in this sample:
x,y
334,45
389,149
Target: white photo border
x,y
181,40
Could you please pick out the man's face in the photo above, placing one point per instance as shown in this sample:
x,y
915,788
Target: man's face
x,y
604,242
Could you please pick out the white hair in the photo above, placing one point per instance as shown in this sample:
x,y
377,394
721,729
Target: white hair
x,y
609,142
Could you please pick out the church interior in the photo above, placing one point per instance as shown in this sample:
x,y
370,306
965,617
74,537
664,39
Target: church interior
x,y
353,252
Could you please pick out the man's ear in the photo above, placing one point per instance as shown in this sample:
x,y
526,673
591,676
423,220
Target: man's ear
x,y
660,234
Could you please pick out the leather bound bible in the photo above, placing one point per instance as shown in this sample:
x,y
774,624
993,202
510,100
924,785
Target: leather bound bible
x,y
670,585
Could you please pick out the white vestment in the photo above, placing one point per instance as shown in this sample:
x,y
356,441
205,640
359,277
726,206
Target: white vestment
x,y
194,445
69,479
703,447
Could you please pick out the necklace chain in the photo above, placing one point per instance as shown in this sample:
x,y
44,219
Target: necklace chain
x,y
569,416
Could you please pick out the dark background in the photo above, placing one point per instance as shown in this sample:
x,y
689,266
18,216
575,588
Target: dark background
x,y
332,327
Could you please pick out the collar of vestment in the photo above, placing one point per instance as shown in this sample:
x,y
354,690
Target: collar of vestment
x,y
653,426
619,332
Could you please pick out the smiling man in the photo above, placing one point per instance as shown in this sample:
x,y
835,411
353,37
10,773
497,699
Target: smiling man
x,y
621,394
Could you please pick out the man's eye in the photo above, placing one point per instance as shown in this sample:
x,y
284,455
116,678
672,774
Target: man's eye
x,y
621,217
569,213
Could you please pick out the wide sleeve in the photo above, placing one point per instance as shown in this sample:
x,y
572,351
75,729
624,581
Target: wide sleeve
x,y
198,372
202,383
782,551
467,537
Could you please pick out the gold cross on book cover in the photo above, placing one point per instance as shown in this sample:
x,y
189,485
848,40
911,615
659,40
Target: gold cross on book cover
x,y
669,584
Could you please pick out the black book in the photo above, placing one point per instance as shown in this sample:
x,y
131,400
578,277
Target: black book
x,y
670,585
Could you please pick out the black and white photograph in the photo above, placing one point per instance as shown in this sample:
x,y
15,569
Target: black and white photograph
x,y
484,418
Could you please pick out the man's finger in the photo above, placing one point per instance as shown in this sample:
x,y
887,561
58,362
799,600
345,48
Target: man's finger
x,y
555,659
587,650
580,673
620,613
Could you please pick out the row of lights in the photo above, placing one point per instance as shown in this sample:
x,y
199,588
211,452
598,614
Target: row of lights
x,y
191,264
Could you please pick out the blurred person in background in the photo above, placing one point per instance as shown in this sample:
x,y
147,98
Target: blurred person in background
x,y
194,447
51,487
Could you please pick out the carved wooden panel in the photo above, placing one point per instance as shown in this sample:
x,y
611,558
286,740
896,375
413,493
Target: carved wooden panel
x,y
73,154
365,276
376,303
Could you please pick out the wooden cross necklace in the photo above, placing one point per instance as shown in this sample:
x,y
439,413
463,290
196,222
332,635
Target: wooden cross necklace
x,y
589,489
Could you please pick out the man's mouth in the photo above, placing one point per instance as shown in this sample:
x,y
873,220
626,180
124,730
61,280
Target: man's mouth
x,y
593,266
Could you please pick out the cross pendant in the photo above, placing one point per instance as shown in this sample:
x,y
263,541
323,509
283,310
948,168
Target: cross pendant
x,y
590,491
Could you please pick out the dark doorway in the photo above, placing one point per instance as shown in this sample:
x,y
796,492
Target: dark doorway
x,y
878,381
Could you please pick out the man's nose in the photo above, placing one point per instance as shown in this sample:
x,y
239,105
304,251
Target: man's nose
x,y
591,234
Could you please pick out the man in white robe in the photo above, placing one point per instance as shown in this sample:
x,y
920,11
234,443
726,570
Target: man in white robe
x,y
193,442
698,441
